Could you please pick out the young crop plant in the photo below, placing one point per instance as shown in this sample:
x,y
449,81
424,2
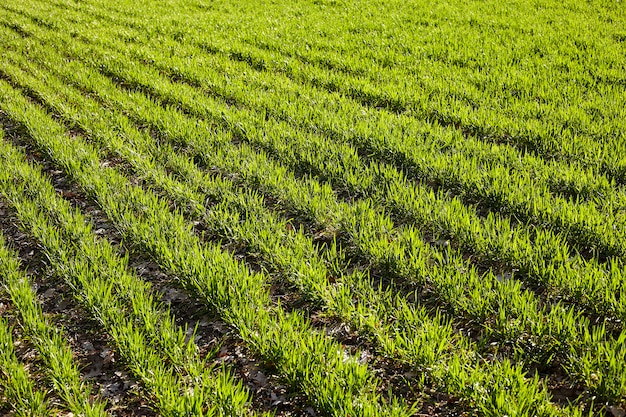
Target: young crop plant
x,y
16,385
61,369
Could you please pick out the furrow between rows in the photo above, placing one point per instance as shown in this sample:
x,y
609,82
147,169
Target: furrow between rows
x,y
49,341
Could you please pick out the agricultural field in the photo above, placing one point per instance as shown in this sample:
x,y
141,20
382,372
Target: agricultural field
x,y
312,208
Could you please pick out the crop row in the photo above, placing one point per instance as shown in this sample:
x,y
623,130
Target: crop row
x,y
51,347
18,387
122,303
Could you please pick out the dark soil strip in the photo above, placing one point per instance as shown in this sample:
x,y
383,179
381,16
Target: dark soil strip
x,y
401,379
92,350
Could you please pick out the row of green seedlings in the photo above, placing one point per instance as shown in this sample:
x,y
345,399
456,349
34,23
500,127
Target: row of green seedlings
x,y
177,380
60,369
98,129
18,388
549,264
584,225
308,360
400,330
275,58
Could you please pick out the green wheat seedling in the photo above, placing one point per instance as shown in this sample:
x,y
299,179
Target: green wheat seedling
x,y
54,350
16,384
